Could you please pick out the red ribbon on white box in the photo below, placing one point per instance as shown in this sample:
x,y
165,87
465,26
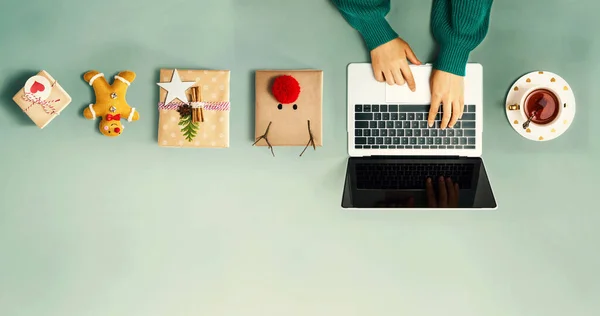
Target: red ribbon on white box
x,y
46,105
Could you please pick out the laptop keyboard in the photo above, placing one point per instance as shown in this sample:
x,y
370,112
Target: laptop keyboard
x,y
389,176
393,126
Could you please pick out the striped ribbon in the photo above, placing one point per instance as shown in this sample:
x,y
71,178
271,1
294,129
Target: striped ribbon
x,y
209,106
46,105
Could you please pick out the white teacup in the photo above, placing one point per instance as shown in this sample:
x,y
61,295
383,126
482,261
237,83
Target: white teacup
x,y
530,102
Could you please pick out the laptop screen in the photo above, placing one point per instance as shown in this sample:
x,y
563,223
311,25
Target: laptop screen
x,y
431,182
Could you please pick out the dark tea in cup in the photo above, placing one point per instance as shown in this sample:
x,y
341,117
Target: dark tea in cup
x,y
544,103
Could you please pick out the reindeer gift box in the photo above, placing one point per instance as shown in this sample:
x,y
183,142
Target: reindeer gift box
x,y
289,108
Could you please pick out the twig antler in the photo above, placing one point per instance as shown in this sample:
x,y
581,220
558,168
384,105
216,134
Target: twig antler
x,y
311,140
264,136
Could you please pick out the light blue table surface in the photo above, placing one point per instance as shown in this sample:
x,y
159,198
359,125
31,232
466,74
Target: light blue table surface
x,y
97,226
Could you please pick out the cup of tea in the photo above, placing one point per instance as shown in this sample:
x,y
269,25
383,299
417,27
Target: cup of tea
x,y
540,105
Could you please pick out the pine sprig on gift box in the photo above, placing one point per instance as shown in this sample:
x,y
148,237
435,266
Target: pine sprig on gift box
x,y
188,127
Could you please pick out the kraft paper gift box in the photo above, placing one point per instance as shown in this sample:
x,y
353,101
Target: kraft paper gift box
x,y
201,120
289,108
42,98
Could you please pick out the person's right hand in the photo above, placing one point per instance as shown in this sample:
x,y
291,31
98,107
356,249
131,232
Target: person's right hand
x,y
447,193
390,65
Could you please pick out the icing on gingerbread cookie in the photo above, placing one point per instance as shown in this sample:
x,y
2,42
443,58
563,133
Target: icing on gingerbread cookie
x,y
111,104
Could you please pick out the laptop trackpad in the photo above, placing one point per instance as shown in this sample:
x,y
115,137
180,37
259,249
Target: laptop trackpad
x,y
390,199
403,95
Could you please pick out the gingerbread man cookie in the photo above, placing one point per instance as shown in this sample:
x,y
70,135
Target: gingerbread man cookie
x,y
111,105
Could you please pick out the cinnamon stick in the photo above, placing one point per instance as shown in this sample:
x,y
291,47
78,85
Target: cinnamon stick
x,y
200,111
195,111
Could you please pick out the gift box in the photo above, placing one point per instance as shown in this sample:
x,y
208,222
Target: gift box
x,y
194,108
42,98
289,108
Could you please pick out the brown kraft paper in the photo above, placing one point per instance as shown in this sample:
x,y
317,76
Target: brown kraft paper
x,y
43,100
289,127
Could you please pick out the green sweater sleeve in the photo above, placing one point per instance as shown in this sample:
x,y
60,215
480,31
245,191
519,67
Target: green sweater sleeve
x,y
368,18
458,26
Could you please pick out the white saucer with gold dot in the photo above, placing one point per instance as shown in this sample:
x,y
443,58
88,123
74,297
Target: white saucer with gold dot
x,y
516,102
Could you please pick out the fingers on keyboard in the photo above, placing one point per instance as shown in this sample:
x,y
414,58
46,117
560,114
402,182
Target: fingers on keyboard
x,y
407,126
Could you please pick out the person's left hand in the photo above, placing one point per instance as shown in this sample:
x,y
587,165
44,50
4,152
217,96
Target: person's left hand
x,y
447,89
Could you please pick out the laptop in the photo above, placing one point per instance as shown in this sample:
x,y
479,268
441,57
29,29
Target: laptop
x,y
393,151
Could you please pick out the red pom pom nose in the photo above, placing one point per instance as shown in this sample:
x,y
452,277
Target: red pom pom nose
x,y
117,130
286,89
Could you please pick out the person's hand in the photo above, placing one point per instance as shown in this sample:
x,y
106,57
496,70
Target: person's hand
x,y
447,89
390,65
447,193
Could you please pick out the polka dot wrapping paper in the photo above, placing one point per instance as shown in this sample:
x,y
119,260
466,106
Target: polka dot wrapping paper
x,y
177,124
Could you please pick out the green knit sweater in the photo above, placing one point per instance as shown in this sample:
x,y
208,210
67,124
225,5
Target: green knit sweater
x,y
458,27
